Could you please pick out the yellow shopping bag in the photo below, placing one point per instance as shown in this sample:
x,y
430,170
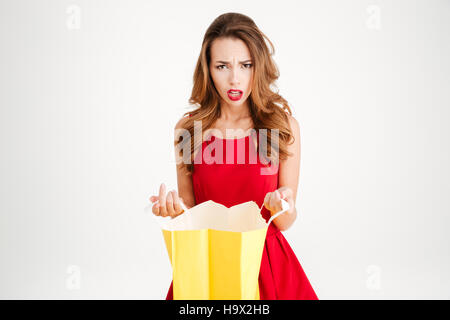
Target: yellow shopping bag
x,y
215,251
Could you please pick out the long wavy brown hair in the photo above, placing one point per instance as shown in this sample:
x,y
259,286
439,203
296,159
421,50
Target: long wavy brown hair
x,y
268,109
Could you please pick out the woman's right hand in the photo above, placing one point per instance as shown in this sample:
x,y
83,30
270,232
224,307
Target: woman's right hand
x,y
166,205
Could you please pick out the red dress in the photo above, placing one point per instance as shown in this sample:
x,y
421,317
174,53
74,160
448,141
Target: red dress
x,y
281,276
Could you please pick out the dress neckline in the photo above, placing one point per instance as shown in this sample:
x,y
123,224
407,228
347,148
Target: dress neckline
x,y
216,137
243,137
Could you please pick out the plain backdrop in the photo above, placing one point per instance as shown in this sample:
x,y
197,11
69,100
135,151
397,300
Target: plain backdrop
x,y
91,92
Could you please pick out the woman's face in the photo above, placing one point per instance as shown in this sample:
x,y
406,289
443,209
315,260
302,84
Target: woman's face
x,y
231,68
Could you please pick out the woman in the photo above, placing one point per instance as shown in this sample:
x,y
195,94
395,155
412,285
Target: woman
x,y
232,82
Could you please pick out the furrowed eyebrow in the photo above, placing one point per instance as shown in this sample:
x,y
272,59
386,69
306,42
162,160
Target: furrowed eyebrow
x,y
227,62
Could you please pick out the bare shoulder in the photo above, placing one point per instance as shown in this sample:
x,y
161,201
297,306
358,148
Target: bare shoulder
x,y
181,122
293,123
295,127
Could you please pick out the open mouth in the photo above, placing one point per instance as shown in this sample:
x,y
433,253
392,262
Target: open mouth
x,y
234,94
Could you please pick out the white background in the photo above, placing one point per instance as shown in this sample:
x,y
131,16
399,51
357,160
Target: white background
x,y
91,91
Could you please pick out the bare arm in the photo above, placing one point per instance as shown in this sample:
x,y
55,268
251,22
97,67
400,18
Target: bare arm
x,y
185,186
288,177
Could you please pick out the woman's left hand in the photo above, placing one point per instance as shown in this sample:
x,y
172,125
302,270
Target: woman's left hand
x,y
272,201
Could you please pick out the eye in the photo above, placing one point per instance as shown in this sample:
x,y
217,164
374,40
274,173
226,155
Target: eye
x,y
220,67
248,64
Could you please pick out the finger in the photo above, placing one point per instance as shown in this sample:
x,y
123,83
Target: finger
x,y
267,200
154,198
278,201
162,200
155,209
177,203
285,192
271,201
275,201
182,210
169,204
162,193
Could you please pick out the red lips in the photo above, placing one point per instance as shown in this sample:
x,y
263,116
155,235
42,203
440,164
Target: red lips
x,y
234,97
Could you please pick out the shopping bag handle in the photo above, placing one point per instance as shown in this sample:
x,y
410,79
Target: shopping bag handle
x,y
284,207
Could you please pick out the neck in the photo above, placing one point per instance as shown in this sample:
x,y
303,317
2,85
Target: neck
x,y
233,114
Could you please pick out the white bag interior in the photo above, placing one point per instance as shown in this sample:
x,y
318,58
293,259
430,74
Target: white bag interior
x,y
212,215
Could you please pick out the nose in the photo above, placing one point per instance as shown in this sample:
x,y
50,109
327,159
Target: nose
x,y
234,76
